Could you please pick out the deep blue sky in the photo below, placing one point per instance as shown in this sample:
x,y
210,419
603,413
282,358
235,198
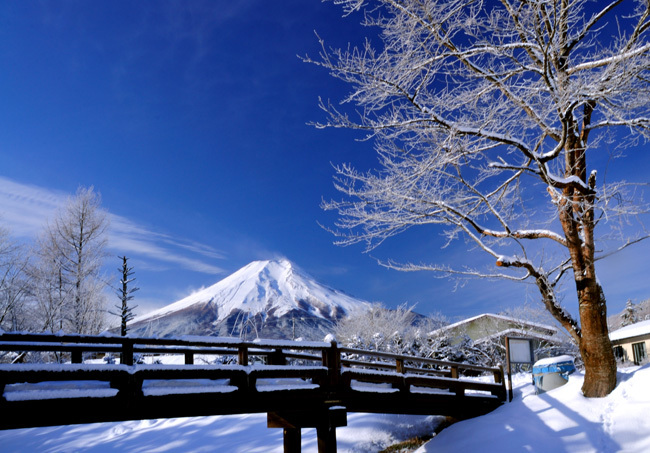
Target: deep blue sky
x,y
190,119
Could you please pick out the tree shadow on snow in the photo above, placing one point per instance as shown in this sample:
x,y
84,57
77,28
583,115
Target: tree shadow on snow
x,y
541,424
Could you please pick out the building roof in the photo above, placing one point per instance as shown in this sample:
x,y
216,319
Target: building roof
x,y
548,330
517,333
633,330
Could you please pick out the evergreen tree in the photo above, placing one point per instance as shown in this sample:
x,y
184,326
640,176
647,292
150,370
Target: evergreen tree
x,y
125,294
629,314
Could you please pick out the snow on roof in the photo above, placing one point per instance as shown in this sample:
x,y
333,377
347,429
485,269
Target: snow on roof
x,y
633,330
502,317
517,332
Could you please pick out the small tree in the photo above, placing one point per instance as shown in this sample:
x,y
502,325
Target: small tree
x,y
629,314
125,294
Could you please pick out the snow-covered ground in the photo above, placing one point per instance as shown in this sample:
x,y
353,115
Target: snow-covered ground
x,y
558,421
228,434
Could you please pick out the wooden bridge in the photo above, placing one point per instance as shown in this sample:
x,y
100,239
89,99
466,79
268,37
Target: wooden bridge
x,y
298,384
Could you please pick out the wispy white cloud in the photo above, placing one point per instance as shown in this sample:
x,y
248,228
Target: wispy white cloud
x,y
126,236
195,247
25,209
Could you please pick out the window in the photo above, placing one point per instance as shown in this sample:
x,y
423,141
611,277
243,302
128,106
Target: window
x,y
638,349
619,353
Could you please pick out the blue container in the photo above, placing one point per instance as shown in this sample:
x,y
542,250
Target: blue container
x,y
552,373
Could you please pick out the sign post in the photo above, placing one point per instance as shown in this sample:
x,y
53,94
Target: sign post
x,y
518,350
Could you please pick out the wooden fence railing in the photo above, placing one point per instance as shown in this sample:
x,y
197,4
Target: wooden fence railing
x,y
325,375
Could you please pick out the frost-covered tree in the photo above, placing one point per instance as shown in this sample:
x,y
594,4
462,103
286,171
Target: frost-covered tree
x,y
629,315
13,284
488,118
125,293
399,330
70,254
376,329
463,349
48,293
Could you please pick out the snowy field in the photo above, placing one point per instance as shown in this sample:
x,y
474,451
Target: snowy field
x,y
558,421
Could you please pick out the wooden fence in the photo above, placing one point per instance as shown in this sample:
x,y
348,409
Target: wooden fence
x,y
299,384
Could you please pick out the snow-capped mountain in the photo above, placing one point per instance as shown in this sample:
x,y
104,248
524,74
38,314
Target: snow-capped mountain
x,y
265,299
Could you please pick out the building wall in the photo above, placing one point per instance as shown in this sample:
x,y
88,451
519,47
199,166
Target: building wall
x,y
627,345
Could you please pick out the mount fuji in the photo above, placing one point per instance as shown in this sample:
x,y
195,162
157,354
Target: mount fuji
x,y
265,299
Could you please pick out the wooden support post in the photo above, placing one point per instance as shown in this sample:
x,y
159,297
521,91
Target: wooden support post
x,y
189,358
292,440
399,364
509,366
76,356
324,419
291,429
326,438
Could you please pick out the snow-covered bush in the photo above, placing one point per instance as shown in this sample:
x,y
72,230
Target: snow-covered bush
x,y
398,331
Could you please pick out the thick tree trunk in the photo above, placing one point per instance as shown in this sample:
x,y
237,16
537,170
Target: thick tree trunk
x,y
577,219
595,347
592,337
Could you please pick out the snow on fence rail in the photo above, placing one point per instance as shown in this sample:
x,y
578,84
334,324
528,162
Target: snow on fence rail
x,y
127,347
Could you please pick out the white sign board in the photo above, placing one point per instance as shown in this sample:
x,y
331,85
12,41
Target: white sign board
x,y
520,351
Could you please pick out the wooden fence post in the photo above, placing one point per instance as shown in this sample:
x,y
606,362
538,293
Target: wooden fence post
x,y
76,356
189,358
277,357
126,356
498,375
243,355
332,360
399,365
502,381
457,388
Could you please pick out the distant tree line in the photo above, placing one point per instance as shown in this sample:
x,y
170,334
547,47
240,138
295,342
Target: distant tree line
x,y
401,331
57,283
